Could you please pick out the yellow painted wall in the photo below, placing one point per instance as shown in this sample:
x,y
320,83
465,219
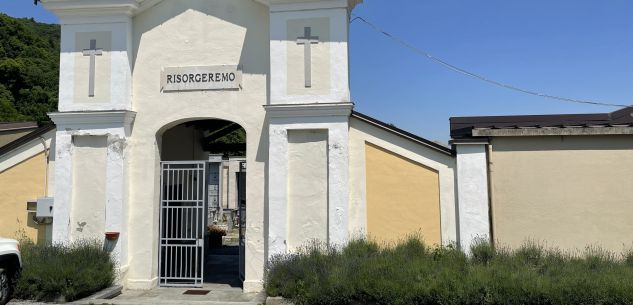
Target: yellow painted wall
x,y
565,192
18,184
402,198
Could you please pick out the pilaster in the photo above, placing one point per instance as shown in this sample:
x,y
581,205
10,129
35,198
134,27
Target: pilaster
x,y
116,126
472,193
334,118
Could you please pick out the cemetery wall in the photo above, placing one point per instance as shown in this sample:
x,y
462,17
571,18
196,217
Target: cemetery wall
x,y
566,191
20,183
409,156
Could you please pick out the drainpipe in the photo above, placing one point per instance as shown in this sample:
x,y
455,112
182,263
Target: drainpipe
x,y
46,153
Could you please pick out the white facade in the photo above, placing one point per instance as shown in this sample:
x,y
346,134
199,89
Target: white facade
x,y
293,103
125,108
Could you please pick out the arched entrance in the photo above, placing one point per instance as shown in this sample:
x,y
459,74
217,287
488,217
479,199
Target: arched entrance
x,y
202,204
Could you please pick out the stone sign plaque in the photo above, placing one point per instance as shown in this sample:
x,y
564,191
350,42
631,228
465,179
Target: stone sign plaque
x,y
200,78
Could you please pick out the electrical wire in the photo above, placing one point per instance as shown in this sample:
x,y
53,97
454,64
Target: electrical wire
x,y
475,75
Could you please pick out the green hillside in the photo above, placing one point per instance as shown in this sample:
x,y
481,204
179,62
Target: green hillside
x,y
29,65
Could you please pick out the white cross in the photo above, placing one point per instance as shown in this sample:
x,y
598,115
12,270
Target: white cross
x,y
92,52
308,41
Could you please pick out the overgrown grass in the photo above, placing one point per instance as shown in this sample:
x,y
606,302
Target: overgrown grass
x,y
413,273
64,272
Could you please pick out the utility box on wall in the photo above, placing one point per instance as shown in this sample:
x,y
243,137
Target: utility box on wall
x,y
44,207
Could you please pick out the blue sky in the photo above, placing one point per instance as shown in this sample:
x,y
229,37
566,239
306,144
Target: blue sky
x,y
580,49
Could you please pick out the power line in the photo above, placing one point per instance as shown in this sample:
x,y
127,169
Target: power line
x,y
475,75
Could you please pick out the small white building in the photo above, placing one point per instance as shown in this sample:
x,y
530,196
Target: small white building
x,y
146,84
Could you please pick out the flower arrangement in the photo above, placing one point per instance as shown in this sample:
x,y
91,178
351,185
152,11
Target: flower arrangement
x,y
215,235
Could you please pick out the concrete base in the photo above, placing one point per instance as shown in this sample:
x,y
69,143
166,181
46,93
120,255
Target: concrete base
x,y
168,296
105,294
133,284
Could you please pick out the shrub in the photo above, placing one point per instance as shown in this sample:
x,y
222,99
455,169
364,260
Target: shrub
x,y
64,272
628,257
413,273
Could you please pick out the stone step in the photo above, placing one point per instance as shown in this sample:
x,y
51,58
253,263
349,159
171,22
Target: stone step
x,y
217,295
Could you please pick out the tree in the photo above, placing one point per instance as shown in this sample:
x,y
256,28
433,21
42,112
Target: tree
x,y
29,68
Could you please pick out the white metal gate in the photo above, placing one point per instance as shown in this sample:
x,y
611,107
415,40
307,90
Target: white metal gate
x,y
182,223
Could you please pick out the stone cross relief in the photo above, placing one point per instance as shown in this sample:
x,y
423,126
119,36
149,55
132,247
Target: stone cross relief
x,y
307,41
92,52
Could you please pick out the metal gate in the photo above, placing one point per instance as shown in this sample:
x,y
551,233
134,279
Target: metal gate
x,y
241,214
182,223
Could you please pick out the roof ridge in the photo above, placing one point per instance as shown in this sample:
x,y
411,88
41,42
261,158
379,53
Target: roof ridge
x,y
402,132
26,138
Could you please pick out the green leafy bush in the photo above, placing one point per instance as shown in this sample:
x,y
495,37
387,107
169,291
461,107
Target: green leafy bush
x,y
64,272
29,69
413,273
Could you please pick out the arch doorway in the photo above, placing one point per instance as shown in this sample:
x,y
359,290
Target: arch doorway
x,y
202,204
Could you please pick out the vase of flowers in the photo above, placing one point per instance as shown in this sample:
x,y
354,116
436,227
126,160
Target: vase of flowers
x,y
215,235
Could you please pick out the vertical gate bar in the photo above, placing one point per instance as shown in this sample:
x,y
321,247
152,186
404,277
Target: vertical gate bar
x,y
200,227
169,254
186,267
171,261
171,221
204,212
177,222
195,228
171,197
187,172
188,217
160,223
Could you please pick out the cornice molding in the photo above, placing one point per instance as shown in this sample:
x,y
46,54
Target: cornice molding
x,y
87,119
309,110
297,5
64,8
554,131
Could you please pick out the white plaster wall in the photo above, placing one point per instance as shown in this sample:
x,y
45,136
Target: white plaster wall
x,y
361,133
114,126
337,90
307,187
320,57
112,86
187,33
103,67
308,117
472,187
89,187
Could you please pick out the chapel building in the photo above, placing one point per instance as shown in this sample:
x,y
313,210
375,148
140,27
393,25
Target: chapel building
x,y
180,117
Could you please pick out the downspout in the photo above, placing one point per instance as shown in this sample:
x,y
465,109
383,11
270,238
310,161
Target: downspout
x,y
46,153
46,156
491,210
